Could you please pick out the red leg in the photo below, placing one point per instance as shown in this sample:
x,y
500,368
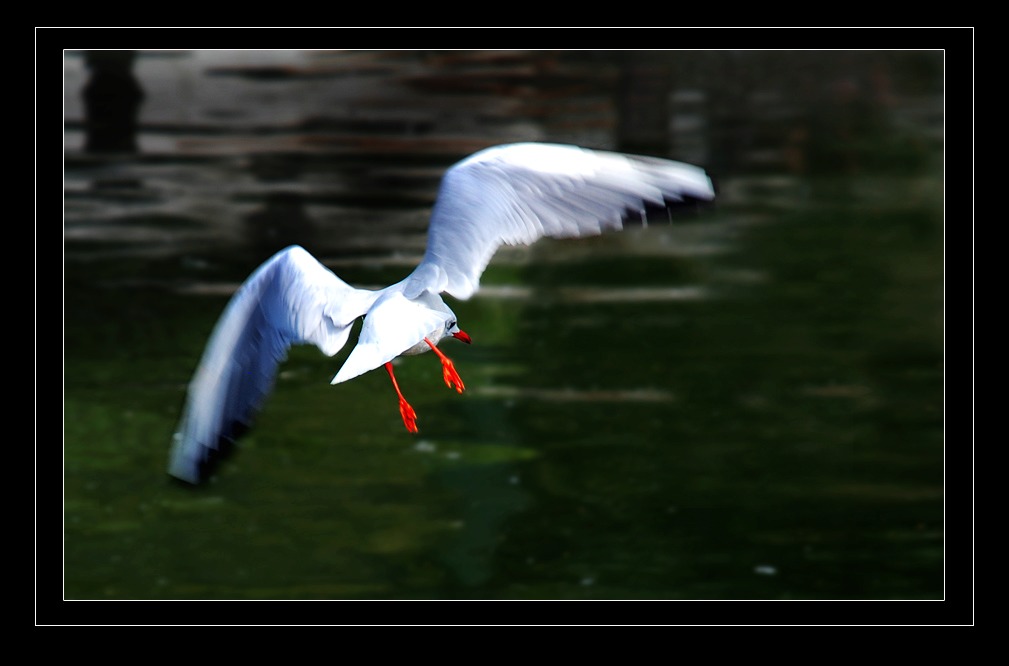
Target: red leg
x,y
405,410
448,369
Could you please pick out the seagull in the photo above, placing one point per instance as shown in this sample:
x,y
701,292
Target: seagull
x,y
511,194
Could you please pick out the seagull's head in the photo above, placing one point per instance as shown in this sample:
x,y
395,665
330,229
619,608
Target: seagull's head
x,y
452,329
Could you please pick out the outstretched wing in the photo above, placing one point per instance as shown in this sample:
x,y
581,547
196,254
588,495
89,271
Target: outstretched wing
x,y
515,194
290,299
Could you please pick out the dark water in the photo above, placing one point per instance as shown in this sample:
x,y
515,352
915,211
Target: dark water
x,y
747,404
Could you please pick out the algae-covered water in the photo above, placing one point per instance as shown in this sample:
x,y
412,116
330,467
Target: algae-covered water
x,y
745,404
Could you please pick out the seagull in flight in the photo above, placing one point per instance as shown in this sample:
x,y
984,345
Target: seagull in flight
x,y
510,194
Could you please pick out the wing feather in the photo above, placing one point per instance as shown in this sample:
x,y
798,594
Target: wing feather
x,y
394,325
290,299
518,193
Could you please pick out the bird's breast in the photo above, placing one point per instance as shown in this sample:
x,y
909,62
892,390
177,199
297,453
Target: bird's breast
x,y
422,346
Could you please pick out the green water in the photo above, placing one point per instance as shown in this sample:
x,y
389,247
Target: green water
x,y
760,417
780,438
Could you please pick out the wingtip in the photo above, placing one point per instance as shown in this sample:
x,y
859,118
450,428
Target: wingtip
x,y
193,463
185,472
195,472
345,375
183,479
364,358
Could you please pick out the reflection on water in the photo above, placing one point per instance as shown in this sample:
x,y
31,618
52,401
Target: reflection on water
x,y
112,100
569,394
745,404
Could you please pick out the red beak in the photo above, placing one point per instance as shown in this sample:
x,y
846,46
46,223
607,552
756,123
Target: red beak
x,y
463,336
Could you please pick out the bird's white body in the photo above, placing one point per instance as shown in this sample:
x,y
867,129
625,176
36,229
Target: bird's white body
x,y
512,194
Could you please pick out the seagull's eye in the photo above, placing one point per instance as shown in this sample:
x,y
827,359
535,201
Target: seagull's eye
x,y
450,324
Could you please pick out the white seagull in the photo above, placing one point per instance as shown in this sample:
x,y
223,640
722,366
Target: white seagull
x,y
511,194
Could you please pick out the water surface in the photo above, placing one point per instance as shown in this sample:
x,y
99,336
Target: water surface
x,y
745,404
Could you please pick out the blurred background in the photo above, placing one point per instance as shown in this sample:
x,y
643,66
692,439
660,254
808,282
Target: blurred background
x,y
746,403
